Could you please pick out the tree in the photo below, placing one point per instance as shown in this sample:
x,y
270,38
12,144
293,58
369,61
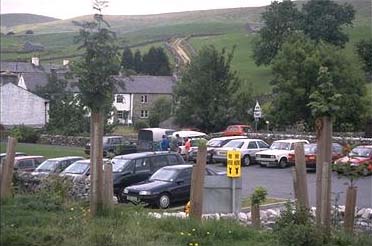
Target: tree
x,y
137,61
281,19
95,70
160,111
205,92
364,51
156,62
127,60
324,19
296,76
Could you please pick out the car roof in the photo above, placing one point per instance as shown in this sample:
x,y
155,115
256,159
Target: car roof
x,y
189,134
290,141
238,125
183,166
17,153
365,146
65,158
143,154
28,157
228,138
246,140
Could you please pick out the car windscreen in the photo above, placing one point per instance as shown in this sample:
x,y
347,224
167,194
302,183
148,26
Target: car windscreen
x,y
47,166
310,149
78,167
165,174
361,152
280,146
234,144
118,165
214,143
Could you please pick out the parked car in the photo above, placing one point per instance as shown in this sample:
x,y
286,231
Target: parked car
x,y
166,186
237,130
360,157
133,168
149,138
247,147
310,154
55,165
78,170
3,155
116,145
212,146
27,163
278,153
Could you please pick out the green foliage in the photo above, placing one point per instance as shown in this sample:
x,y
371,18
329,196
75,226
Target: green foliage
x,y
206,91
298,74
127,60
137,61
281,19
139,124
364,51
156,62
25,134
258,196
160,111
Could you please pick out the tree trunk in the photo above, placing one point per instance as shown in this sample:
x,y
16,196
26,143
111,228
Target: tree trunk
x,y
6,174
109,193
255,213
197,183
96,160
301,178
350,204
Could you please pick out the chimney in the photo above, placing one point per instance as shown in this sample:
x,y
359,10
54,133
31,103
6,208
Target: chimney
x,y
35,61
65,62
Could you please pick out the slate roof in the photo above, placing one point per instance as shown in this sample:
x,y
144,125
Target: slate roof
x,y
145,84
27,67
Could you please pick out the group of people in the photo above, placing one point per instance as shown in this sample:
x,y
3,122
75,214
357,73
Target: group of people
x,y
174,143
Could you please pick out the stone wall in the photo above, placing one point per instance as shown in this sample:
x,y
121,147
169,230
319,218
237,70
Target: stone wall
x,y
63,140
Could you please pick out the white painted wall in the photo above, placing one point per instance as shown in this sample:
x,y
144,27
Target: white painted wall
x,y
19,106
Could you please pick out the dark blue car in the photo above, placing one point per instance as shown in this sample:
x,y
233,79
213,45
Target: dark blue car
x,y
167,185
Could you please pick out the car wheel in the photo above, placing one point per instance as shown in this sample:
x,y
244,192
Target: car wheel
x,y
365,171
283,163
121,197
246,160
164,201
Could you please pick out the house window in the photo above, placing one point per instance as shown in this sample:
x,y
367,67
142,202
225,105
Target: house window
x,y
120,114
144,99
144,114
120,99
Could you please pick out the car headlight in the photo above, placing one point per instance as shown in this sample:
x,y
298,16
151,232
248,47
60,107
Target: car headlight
x,y
145,193
273,156
125,191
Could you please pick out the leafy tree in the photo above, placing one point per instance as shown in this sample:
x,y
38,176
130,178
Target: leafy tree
x,y
206,90
281,19
244,101
127,60
297,75
324,19
156,62
160,111
137,61
95,70
364,50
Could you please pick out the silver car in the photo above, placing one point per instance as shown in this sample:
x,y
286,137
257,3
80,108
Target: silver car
x,y
247,148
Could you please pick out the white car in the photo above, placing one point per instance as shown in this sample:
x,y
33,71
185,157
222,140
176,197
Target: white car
x,y
247,147
278,153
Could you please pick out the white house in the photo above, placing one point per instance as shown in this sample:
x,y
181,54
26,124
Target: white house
x,y
19,106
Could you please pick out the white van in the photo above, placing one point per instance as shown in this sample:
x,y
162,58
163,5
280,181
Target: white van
x,y
149,138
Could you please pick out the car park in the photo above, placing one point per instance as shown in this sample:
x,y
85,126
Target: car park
x,y
27,163
166,186
115,145
247,147
359,158
277,155
212,146
237,130
311,152
55,165
133,168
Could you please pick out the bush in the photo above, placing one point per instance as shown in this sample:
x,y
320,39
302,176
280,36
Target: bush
x,y
25,134
139,124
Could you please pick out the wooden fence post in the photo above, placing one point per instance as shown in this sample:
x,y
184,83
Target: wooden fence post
x,y
255,213
7,169
303,196
295,183
197,183
350,208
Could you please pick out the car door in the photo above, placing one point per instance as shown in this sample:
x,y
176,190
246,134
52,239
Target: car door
x,y
25,165
252,149
142,169
182,185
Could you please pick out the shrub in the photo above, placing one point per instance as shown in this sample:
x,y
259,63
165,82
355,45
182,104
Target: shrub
x,y
25,134
139,124
258,196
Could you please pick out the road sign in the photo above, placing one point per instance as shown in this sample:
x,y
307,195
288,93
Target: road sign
x,y
257,113
233,164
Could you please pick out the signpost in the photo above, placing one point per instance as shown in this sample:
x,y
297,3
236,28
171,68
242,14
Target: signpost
x,y
233,171
257,113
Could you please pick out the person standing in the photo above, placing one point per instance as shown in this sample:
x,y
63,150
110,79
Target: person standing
x,y
187,147
164,144
174,144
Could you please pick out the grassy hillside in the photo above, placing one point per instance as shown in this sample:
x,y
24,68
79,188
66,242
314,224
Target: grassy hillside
x,y
12,20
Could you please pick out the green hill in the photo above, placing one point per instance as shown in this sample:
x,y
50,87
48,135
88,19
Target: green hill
x,y
12,20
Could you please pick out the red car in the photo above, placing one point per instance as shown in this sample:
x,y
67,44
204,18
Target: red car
x,y
237,130
360,157
310,154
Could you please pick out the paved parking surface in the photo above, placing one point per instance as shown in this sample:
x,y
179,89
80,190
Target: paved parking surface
x,y
278,183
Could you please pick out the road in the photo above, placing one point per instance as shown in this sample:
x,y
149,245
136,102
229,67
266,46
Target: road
x,y
278,183
177,46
